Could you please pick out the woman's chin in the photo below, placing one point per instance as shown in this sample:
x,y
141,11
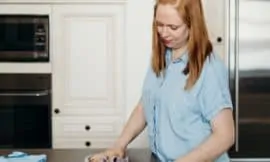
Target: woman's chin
x,y
168,45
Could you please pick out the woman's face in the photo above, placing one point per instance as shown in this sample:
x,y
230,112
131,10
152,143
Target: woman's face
x,y
170,26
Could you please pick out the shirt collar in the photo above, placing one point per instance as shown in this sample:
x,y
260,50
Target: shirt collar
x,y
168,55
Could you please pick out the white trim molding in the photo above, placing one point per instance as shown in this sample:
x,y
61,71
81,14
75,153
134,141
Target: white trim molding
x,y
63,1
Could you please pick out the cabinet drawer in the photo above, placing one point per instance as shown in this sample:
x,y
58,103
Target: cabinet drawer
x,y
86,126
83,143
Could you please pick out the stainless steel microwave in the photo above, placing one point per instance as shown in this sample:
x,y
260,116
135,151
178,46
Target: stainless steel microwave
x,y
24,38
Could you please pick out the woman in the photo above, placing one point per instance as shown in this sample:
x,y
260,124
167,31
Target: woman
x,y
185,103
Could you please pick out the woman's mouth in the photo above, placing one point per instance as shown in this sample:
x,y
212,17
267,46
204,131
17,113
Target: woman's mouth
x,y
166,41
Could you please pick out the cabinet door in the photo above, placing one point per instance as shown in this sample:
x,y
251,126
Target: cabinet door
x,y
215,16
87,43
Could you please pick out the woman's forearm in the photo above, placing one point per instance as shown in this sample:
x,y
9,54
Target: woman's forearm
x,y
133,127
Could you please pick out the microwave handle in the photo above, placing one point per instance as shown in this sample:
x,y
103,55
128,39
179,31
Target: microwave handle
x,y
29,94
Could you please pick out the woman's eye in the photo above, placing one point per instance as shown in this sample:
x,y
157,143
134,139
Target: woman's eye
x,y
174,27
159,25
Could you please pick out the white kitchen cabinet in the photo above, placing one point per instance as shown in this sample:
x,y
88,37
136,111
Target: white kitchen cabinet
x,y
83,129
215,17
24,9
220,50
79,143
88,73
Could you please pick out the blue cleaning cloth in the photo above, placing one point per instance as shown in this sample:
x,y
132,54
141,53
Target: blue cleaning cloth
x,y
17,156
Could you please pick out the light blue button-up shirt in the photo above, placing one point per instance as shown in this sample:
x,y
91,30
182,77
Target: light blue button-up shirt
x,y
179,120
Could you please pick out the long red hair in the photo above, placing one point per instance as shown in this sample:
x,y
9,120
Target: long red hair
x,y
199,45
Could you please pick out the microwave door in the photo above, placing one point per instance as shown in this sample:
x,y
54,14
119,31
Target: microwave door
x,y
24,38
16,35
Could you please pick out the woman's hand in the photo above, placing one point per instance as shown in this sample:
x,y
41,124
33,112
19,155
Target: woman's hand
x,y
108,155
134,127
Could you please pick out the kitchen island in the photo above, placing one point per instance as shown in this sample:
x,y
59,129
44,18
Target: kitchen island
x,y
78,155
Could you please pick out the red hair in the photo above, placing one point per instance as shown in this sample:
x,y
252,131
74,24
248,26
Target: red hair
x,y
199,45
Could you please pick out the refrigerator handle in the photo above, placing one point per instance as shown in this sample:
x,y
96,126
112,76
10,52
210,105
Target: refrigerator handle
x,y
233,62
237,74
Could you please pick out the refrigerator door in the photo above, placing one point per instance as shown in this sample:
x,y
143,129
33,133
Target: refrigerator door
x,y
250,77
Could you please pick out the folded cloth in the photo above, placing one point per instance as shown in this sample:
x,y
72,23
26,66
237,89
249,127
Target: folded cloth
x,y
17,156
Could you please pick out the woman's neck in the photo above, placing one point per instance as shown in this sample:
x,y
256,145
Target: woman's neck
x,y
178,52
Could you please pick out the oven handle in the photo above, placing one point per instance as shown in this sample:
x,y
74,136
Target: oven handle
x,y
30,94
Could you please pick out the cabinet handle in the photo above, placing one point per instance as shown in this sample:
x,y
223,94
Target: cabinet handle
x,y
87,143
219,39
57,111
87,127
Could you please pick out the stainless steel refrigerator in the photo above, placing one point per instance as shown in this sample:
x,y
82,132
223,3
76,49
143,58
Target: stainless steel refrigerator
x,y
249,71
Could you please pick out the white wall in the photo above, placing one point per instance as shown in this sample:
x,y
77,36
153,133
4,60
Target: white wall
x,y
138,50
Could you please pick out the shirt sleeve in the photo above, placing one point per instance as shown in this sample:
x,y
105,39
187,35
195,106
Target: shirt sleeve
x,y
215,93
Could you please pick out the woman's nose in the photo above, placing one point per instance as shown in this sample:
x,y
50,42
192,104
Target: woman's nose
x,y
164,31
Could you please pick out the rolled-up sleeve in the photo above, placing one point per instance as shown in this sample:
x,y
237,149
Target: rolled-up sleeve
x,y
215,93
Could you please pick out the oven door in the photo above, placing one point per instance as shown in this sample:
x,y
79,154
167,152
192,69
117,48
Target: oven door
x,y
25,120
25,117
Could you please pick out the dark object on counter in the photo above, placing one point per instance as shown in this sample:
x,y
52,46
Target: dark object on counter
x,y
114,159
78,155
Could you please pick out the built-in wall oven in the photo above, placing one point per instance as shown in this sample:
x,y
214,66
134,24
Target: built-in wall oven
x,y
25,111
24,38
